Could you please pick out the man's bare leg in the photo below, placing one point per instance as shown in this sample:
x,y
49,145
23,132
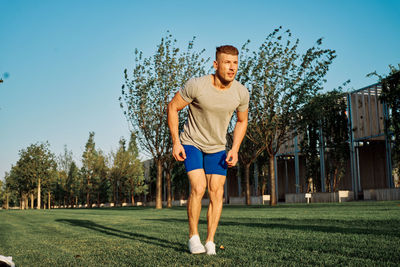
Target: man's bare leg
x,y
198,184
215,185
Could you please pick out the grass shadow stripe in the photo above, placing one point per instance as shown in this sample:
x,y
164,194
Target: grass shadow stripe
x,y
317,225
124,234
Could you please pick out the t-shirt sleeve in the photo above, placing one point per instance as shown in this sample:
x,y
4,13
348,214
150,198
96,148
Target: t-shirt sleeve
x,y
244,100
188,91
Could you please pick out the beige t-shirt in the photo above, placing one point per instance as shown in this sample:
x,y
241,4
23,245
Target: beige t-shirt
x,y
210,111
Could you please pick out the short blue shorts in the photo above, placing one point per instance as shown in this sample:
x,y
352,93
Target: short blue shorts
x,y
213,163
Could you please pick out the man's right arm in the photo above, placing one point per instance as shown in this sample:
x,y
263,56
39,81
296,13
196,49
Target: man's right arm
x,y
177,103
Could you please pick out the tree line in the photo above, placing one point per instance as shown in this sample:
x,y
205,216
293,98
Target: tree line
x,y
39,173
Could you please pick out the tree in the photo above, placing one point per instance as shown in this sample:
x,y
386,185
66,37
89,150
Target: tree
x,y
324,118
94,171
391,96
281,80
118,171
126,174
146,94
2,193
10,187
248,153
35,168
72,185
135,181
65,160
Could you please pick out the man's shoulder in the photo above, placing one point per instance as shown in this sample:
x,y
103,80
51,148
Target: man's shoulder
x,y
199,80
240,87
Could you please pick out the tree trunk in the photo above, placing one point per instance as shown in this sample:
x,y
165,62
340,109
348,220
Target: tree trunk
x,y
7,201
132,197
88,200
32,200
114,194
159,184
38,195
48,200
88,204
98,199
22,205
247,179
272,181
168,180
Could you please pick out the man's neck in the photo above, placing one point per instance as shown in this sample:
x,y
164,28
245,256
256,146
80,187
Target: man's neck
x,y
219,83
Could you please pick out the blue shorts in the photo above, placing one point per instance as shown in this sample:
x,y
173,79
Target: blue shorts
x,y
213,163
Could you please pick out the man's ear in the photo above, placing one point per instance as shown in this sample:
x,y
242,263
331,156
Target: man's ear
x,y
215,64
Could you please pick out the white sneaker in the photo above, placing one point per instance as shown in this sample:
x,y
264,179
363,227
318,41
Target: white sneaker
x,y
195,246
210,248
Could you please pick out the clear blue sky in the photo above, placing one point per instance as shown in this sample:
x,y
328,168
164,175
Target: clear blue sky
x,y
65,59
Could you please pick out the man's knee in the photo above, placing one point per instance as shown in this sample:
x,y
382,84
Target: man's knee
x,y
198,190
216,194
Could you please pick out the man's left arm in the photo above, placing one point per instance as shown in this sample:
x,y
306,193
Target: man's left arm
x,y
238,135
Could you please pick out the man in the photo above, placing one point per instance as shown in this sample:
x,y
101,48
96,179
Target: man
x,y
212,99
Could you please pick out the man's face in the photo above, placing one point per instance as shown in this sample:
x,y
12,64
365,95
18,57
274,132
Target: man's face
x,y
226,67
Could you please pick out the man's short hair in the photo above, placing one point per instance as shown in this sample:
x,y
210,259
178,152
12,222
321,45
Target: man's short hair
x,y
226,49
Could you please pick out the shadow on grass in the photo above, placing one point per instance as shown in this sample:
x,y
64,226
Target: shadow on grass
x,y
363,227
124,234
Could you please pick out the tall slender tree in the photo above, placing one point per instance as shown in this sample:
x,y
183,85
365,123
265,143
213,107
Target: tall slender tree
x,y
72,185
147,92
126,172
2,193
94,171
281,80
135,179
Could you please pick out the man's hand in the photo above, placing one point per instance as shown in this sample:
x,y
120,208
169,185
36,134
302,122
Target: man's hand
x,y
178,152
231,158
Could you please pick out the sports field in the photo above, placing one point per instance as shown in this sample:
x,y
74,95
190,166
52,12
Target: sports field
x,y
354,233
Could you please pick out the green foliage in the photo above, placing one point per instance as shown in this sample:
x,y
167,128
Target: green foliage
x,y
64,160
325,114
126,173
281,81
11,187
94,171
2,192
73,183
152,84
391,96
147,92
35,162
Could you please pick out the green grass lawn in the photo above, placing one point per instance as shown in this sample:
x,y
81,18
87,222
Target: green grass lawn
x,y
353,233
